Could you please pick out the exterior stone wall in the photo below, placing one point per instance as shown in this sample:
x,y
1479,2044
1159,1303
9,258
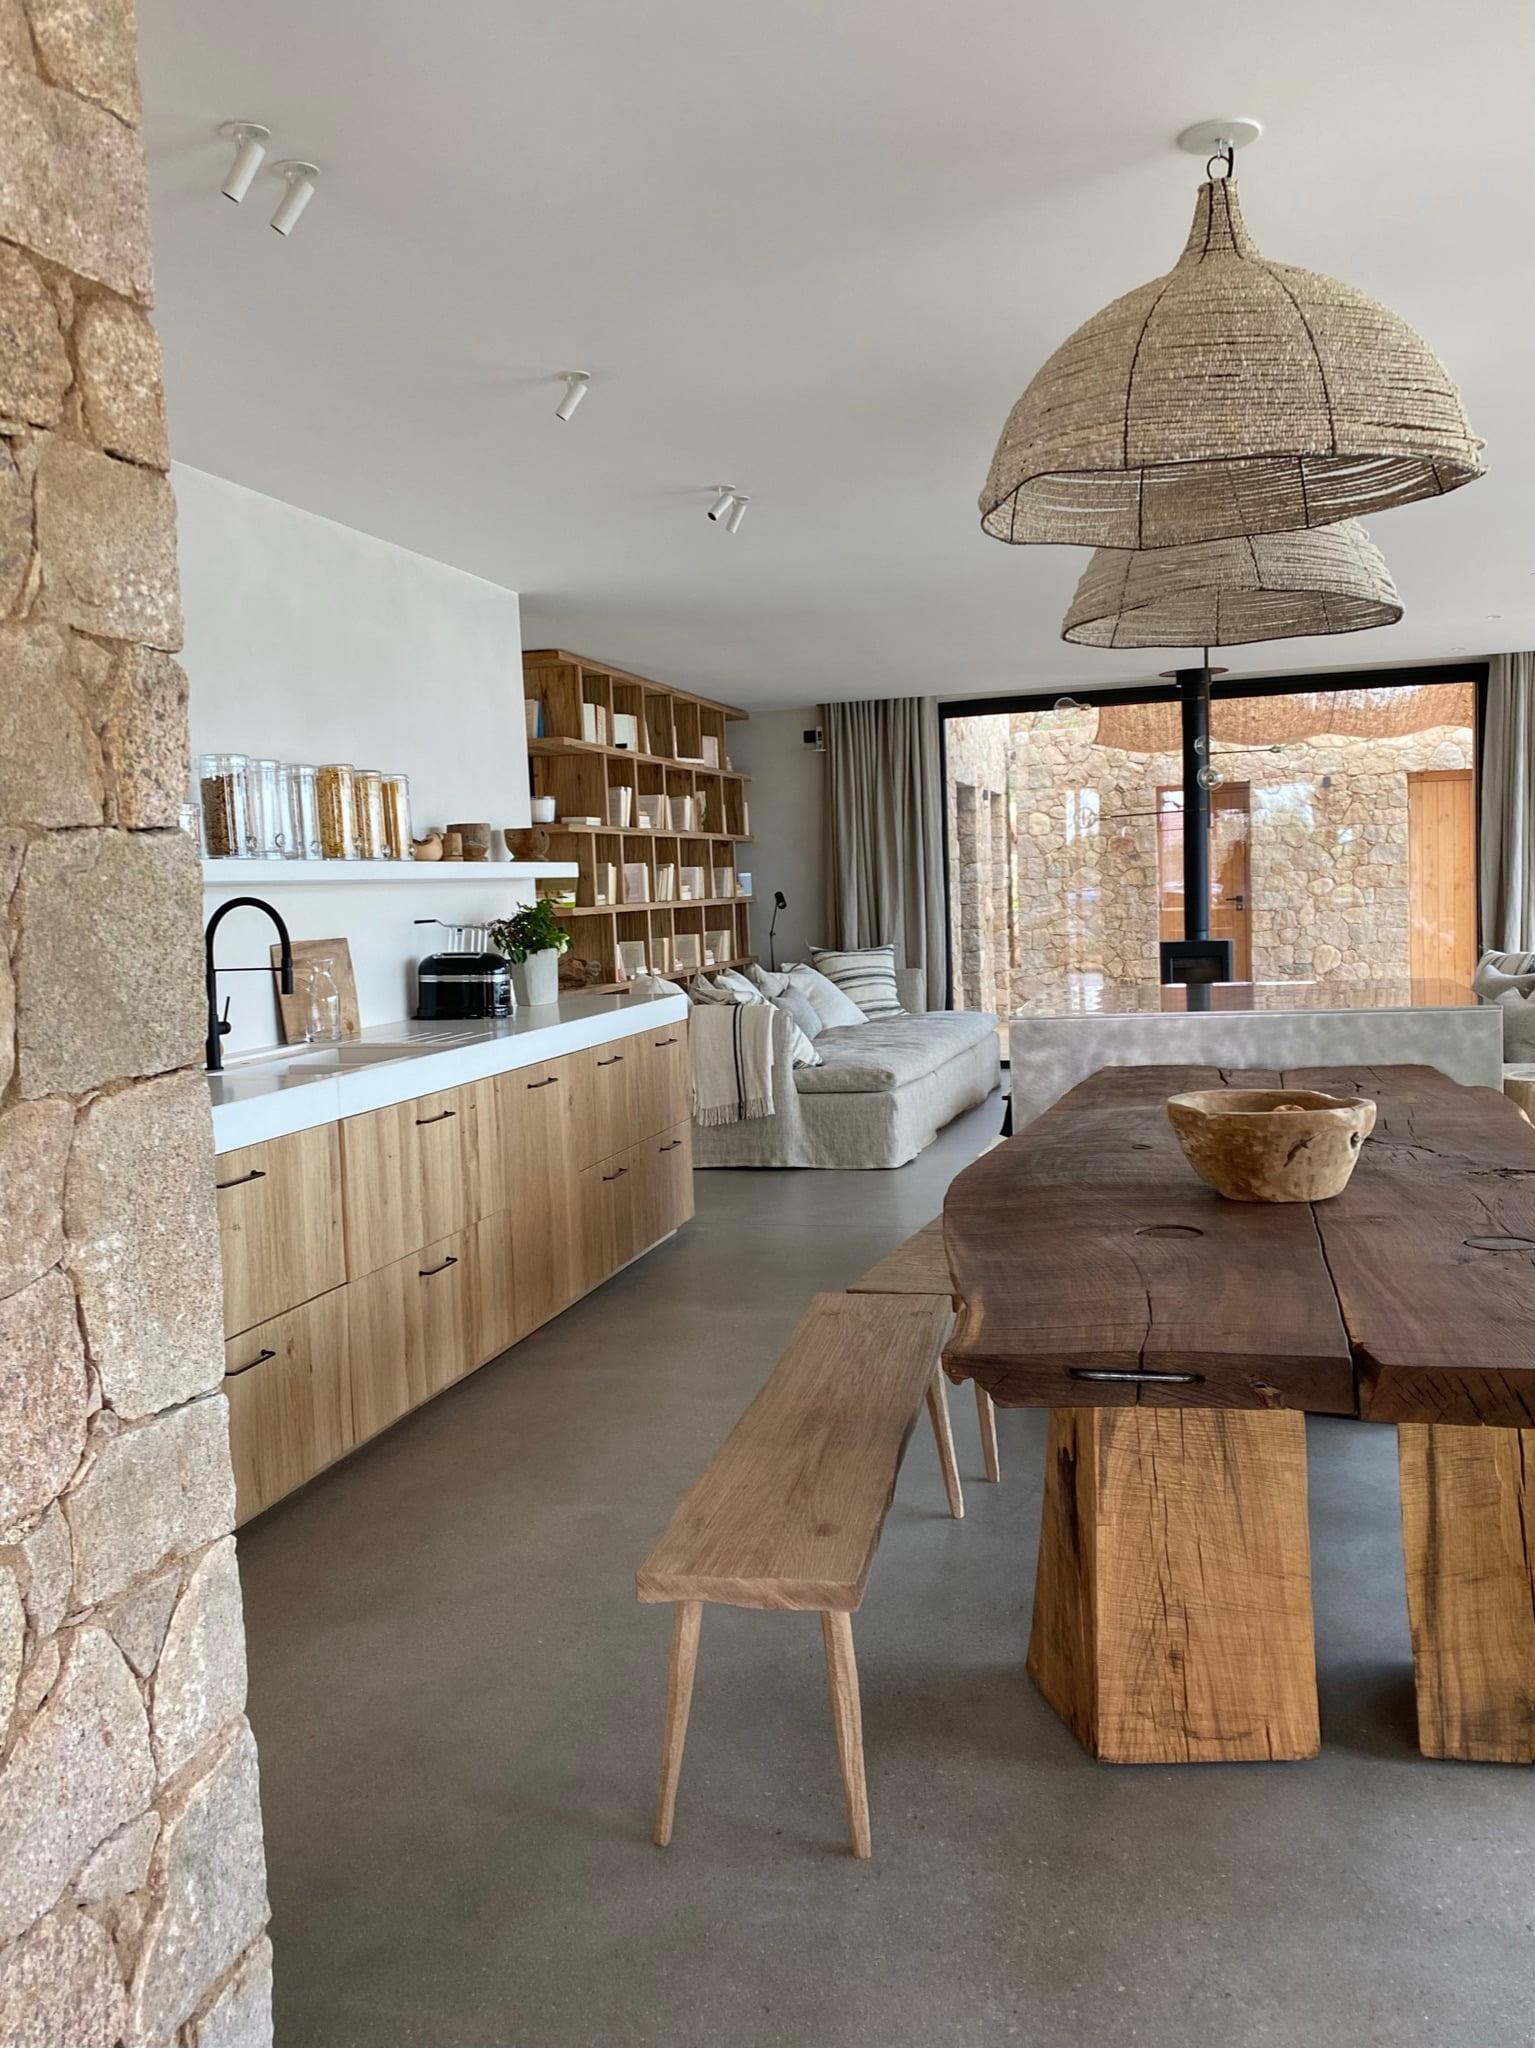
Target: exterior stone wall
x,y
132,1881
1328,854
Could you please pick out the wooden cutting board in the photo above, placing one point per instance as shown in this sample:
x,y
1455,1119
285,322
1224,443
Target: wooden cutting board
x,y
293,1011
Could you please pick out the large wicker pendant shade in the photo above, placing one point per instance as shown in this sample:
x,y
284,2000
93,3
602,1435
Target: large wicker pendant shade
x,y
1233,396
1227,593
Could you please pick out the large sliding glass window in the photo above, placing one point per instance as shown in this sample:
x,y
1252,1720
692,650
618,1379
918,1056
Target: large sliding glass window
x,y
1342,842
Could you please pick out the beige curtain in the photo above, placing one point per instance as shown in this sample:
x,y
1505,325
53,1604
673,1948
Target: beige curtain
x,y
884,866
1507,854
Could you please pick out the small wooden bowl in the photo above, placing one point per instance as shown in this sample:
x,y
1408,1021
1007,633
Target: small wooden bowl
x,y
1271,1144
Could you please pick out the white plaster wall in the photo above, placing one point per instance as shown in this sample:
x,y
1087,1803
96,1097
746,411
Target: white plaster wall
x,y
308,641
788,810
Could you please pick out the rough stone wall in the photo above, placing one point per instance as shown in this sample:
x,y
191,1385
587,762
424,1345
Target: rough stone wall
x,y
132,1883
978,758
1328,859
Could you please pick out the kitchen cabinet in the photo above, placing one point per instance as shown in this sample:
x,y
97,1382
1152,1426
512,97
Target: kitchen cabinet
x,y
279,1211
290,1404
370,1264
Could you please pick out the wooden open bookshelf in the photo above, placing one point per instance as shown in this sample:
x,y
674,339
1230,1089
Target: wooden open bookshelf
x,y
652,765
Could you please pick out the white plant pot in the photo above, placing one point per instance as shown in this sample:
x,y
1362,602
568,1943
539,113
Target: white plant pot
x,y
537,979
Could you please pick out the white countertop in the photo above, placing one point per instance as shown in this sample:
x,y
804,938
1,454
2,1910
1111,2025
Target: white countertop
x,y
268,1095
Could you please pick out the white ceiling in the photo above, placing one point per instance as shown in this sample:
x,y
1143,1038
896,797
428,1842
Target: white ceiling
x,y
813,248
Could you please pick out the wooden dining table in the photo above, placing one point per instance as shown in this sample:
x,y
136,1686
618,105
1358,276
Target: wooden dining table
x,y
1179,1340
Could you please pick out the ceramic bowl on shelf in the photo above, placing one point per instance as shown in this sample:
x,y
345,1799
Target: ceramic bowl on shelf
x,y
1271,1144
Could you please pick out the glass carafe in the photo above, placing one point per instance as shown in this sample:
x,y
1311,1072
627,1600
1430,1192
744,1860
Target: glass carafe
x,y
322,1002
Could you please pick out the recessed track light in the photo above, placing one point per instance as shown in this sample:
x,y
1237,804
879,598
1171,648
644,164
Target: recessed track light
x,y
250,140
577,383
301,180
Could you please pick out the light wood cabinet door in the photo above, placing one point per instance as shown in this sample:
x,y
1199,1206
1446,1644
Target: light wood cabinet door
x,y
485,1138
279,1209
607,1214
663,1081
540,1116
406,1174
670,1175
290,1407
609,1090
493,1289
411,1332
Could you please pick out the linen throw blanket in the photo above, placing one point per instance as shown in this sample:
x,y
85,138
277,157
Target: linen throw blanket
x,y
732,1061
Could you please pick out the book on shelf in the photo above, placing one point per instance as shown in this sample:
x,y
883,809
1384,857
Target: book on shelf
x,y
666,882
724,881
631,959
690,884
626,731
636,882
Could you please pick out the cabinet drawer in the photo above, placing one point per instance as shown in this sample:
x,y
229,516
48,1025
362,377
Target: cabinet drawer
x,y
411,1332
669,1179
407,1175
609,1088
279,1209
663,1081
290,1408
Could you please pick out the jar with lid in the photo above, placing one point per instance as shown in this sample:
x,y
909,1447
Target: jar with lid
x,y
270,821
333,786
221,788
368,813
397,817
303,824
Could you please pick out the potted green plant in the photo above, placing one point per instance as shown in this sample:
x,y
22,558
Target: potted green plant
x,y
533,940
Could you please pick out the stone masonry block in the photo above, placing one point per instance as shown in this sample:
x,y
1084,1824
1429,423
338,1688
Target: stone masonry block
x,y
44,1395
72,185
117,356
34,1147
157,1491
50,759
60,1987
109,964
34,364
199,1684
142,714
106,540
142,1233
90,47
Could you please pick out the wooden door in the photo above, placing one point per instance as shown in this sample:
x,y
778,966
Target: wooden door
x,y
540,1113
279,1210
662,1080
411,1332
609,1105
290,1404
1441,875
1230,870
662,1195
406,1172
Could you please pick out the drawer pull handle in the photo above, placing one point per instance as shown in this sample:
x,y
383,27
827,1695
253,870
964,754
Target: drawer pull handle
x,y
552,1082
674,1146
426,1272
1156,1379
260,1358
244,1180
659,1042
616,1176
440,1118
616,1061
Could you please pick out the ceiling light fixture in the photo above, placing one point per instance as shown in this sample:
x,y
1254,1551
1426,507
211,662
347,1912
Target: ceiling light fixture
x,y
576,384
301,180
737,513
1231,396
250,140
1229,593
723,503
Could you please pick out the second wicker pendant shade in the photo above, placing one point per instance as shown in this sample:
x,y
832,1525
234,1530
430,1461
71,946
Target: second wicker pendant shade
x,y
1228,593
1233,396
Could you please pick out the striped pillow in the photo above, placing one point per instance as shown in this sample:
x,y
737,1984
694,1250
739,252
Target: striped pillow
x,y
866,977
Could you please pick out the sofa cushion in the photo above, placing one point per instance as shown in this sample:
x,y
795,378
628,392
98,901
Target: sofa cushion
x,y
824,997
797,1009
866,976
865,1059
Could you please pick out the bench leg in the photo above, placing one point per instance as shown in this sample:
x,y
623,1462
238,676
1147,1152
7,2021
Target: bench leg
x,y
842,1674
1468,1506
985,1408
686,1616
943,1436
1172,1603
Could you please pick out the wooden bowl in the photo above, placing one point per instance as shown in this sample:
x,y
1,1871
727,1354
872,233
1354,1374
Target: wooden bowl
x,y
1271,1144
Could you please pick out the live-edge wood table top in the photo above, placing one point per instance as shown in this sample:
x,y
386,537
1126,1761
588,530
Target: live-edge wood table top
x,y
1087,1246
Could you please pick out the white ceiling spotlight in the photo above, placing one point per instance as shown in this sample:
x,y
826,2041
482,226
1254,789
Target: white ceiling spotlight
x,y
301,179
737,513
576,383
723,503
250,140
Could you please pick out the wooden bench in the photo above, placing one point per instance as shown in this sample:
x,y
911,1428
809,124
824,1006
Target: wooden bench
x,y
789,1511
921,1266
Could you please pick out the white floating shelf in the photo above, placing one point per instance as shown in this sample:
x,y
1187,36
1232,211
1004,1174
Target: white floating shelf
x,y
241,874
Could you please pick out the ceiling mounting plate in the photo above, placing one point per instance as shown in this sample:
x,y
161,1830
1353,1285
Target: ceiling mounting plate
x,y
1209,138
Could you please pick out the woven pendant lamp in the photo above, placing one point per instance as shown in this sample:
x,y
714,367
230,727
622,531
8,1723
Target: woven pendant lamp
x,y
1233,396
1228,593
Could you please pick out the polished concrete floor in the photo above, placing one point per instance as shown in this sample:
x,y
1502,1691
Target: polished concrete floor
x,y
458,1703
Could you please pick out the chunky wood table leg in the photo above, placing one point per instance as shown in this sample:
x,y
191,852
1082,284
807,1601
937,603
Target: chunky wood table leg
x,y
1172,1605
1468,1537
686,1616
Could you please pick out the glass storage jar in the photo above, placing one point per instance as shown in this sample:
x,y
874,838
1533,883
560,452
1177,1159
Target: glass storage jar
x,y
397,817
368,812
333,786
302,822
270,822
221,791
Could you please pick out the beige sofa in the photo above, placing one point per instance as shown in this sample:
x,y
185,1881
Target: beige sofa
x,y
883,1093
